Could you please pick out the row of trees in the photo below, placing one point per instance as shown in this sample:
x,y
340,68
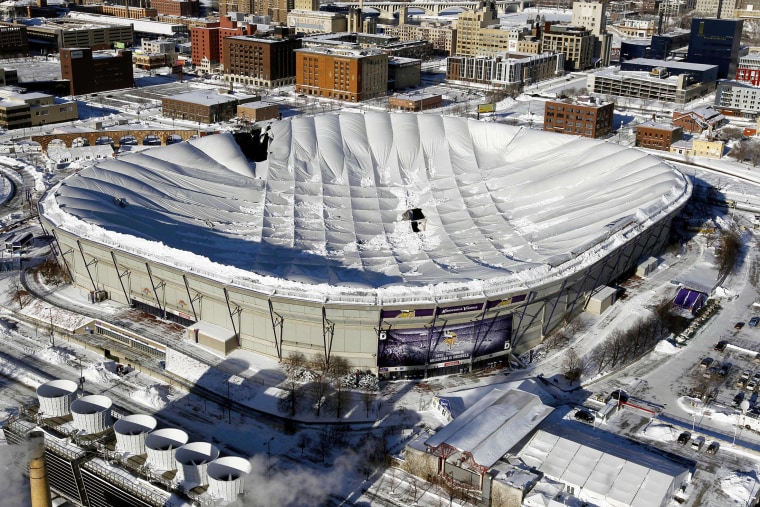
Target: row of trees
x,y
622,347
320,384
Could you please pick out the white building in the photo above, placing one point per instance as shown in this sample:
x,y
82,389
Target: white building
x,y
603,473
740,96
506,68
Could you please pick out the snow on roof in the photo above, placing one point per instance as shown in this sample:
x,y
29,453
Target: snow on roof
x,y
210,97
639,479
493,425
505,207
670,64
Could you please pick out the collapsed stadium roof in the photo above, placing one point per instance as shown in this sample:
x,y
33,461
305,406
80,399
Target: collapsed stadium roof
x,y
374,205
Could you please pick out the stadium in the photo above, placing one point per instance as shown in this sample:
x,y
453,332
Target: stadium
x,y
408,244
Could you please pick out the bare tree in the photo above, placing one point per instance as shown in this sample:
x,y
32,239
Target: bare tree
x,y
368,398
728,253
20,294
304,440
338,370
293,365
573,365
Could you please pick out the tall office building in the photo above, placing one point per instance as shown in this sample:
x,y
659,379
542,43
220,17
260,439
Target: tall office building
x,y
591,15
723,9
716,42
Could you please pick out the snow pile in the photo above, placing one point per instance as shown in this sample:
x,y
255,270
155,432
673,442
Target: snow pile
x,y
503,206
723,292
55,356
101,373
665,347
155,396
365,382
661,432
739,486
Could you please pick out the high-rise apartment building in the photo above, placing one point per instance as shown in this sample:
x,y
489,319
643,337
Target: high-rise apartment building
x,y
258,61
206,42
577,44
343,74
88,73
590,15
475,38
277,9
716,42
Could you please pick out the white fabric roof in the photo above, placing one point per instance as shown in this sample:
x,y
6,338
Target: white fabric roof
x,y
493,425
637,479
506,207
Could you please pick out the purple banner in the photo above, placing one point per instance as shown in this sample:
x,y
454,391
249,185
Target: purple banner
x,y
506,302
407,314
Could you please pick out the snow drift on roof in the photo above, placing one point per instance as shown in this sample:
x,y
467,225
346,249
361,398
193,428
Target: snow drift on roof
x,y
493,425
502,205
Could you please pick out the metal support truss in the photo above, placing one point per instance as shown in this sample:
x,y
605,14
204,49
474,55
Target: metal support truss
x,y
87,265
63,256
237,311
531,297
277,325
328,332
121,276
162,284
198,297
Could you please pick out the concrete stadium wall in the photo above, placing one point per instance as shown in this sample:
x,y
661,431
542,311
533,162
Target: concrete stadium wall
x,y
300,325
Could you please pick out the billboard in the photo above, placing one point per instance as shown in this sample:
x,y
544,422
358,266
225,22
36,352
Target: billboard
x,y
486,108
444,343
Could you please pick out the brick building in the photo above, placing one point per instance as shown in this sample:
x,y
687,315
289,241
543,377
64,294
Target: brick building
x,y
204,106
258,111
13,41
442,37
343,74
657,136
698,120
415,102
277,9
259,61
206,42
404,73
587,118
188,8
92,72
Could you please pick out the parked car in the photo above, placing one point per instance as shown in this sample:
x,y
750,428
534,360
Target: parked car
x,y
619,395
754,321
725,369
706,362
720,346
684,438
738,398
714,370
713,447
751,385
585,416
746,374
697,443
738,325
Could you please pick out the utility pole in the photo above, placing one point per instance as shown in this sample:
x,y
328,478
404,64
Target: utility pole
x,y
52,331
